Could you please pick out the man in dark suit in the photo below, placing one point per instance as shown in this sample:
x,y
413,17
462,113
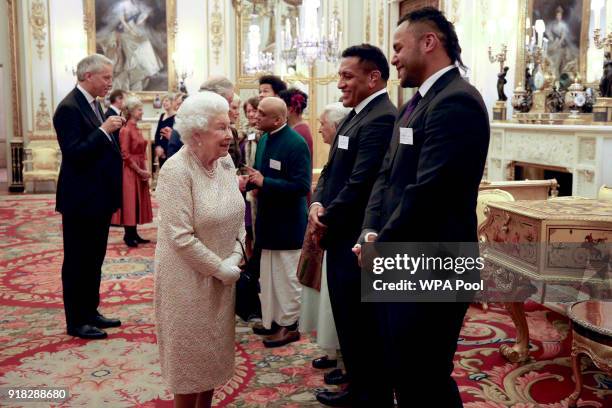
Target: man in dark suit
x,y
426,192
88,193
339,202
282,178
116,98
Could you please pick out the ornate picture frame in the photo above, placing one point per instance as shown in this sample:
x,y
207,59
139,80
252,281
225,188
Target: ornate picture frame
x,y
575,21
139,36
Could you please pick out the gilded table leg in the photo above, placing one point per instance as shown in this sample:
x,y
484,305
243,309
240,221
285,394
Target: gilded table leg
x,y
520,351
573,398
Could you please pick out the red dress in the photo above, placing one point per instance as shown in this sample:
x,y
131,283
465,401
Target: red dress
x,y
136,208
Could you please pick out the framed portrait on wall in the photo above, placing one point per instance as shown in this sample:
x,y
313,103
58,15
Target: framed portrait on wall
x,y
566,31
138,36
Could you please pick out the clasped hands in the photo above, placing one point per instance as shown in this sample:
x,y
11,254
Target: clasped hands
x,y
229,271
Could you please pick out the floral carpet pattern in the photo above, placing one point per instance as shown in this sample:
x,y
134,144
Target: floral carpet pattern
x,y
123,371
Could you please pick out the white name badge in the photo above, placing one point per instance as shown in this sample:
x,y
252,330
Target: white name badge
x,y
251,136
406,136
275,164
343,142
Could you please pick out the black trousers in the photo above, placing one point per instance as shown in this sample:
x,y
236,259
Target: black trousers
x,y
420,343
85,240
359,331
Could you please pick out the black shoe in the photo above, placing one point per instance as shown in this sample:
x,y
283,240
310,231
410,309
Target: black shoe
x,y
104,322
335,377
324,362
335,399
259,328
141,240
132,243
87,332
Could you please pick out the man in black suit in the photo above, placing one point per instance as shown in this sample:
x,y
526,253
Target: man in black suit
x,y
339,202
88,193
426,192
116,98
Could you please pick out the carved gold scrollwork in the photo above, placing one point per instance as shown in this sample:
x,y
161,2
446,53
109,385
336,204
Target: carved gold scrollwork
x,y
368,26
381,23
38,23
216,30
43,117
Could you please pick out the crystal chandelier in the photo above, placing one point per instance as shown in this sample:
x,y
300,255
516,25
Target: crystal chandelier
x,y
315,39
255,60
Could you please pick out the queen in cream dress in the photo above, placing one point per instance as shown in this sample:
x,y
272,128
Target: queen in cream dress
x,y
201,215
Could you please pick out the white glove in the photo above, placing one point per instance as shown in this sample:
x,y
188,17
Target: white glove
x,y
228,272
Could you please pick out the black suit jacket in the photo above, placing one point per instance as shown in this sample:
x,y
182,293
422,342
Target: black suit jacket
x,y
90,175
347,179
110,112
426,191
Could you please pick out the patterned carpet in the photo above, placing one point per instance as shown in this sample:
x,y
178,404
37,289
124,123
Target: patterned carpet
x,y
123,371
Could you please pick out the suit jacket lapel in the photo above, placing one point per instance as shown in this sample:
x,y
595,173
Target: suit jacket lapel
x,y
439,85
88,112
343,130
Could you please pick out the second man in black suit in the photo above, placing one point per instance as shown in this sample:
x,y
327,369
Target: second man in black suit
x,y
339,202
88,193
116,98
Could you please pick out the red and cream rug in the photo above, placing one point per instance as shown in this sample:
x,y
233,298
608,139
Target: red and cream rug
x,y
123,371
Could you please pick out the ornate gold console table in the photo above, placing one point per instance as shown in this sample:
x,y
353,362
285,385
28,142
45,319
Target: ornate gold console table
x,y
559,241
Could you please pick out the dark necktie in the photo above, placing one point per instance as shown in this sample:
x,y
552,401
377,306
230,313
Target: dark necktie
x,y
349,117
412,104
96,109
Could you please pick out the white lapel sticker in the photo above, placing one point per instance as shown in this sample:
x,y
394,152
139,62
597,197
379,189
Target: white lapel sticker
x,y
343,142
251,136
406,136
275,164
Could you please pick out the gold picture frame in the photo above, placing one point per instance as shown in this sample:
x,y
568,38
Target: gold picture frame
x,y
146,94
526,10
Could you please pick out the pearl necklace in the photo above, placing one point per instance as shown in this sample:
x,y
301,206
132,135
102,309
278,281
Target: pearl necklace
x,y
209,172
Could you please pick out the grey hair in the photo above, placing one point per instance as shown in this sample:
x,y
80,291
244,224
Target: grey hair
x,y
131,103
335,112
92,63
196,112
236,98
219,85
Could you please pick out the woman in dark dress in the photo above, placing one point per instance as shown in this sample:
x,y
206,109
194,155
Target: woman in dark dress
x,y
170,103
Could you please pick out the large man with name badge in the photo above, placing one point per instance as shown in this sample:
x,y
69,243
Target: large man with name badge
x,y
339,202
426,192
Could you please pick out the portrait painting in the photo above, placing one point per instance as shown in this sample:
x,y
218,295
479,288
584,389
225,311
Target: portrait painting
x,y
135,35
566,34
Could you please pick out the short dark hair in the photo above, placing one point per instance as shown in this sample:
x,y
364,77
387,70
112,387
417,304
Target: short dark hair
x,y
370,57
446,30
253,101
294,98
274,81
116,94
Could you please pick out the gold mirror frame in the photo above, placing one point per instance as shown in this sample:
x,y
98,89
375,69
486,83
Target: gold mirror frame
x,y
526,10
171,28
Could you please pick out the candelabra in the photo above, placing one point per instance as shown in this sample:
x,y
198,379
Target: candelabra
x,y
602,109
499,57
499,110
602,41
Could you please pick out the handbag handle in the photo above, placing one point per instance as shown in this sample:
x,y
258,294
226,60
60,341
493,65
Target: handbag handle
x,y
244,255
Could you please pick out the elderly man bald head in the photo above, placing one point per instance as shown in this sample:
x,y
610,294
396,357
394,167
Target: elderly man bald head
x,y
271,114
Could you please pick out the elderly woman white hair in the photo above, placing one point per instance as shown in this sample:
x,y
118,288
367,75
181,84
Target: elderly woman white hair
x,y
201,230
330,118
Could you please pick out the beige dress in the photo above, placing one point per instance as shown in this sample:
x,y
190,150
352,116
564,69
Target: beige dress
x,y
200,217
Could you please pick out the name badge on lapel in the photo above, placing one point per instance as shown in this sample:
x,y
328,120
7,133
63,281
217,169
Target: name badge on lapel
x,y
406,136
275,164
251,136
343,142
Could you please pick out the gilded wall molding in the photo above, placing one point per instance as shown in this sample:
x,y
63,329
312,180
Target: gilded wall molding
x,y
38,24
216,31
368,22
381,23
15,66
43,117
